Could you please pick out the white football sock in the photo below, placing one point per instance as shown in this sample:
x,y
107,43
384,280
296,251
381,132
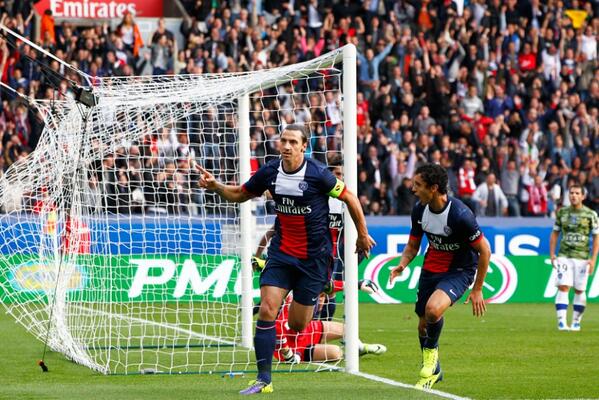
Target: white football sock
x,y
580,302
560,300
360,346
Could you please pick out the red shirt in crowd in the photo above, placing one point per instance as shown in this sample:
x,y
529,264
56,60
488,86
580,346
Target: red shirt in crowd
x,y
527,62
466,185
362,112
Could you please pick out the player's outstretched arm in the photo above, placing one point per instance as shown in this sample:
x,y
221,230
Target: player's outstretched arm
x,y
476,294
364,243
407,255
234,193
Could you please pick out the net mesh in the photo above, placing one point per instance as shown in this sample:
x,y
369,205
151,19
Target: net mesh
x,y
111,252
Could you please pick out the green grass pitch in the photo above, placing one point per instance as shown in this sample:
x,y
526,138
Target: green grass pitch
x,y
515,351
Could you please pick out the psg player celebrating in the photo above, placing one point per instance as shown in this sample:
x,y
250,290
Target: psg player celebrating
x,y
299,255
457,252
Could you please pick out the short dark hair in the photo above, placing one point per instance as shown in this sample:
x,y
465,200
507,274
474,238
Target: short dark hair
x,y
300,128
433,174
577,184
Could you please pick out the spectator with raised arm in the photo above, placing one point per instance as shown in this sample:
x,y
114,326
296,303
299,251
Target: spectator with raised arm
x,y
490,199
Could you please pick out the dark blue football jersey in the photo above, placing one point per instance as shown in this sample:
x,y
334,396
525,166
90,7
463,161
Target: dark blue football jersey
x,y
302,206
450,233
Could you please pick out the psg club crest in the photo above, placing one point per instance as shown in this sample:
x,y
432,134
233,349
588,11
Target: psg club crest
x,y
447,230
303,186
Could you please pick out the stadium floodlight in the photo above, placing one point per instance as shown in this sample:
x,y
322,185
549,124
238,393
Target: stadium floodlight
x,y
111,253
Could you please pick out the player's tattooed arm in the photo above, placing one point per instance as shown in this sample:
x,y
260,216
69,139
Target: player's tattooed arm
x,y
365,242
228,192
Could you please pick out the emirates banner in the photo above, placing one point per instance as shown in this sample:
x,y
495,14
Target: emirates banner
x,y
100,8
514,279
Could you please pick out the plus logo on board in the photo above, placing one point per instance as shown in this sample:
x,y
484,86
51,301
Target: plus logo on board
x,y
500,284
403,289
501,281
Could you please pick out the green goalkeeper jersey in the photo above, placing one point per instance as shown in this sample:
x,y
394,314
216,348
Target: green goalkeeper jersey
x,y
576,227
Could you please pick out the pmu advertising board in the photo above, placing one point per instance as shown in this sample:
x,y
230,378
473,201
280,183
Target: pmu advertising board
x,y
94,278
155,261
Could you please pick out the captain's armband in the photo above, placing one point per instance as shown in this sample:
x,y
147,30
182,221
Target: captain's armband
x,y
337,190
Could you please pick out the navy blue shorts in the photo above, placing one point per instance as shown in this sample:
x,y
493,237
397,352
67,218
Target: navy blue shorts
x,y
306,278
453,283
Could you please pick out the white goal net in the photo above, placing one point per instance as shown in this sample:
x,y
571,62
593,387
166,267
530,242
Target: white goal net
x,y
109,250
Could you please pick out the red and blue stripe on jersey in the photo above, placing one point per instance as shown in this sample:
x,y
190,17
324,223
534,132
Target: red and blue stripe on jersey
x,y
450,233
301,202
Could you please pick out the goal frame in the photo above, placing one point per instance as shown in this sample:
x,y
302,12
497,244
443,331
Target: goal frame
x,y
350,167
346,55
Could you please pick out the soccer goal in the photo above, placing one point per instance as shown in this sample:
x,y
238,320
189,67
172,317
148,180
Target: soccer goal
x,y
111,254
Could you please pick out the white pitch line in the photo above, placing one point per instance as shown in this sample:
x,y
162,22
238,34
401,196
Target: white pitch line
x,y
406,386
145,321
199,335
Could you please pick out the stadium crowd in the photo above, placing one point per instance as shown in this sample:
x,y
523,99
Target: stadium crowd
x,y
502,93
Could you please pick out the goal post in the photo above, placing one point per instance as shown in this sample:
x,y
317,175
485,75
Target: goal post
x,y
245,221
350,170
111,253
